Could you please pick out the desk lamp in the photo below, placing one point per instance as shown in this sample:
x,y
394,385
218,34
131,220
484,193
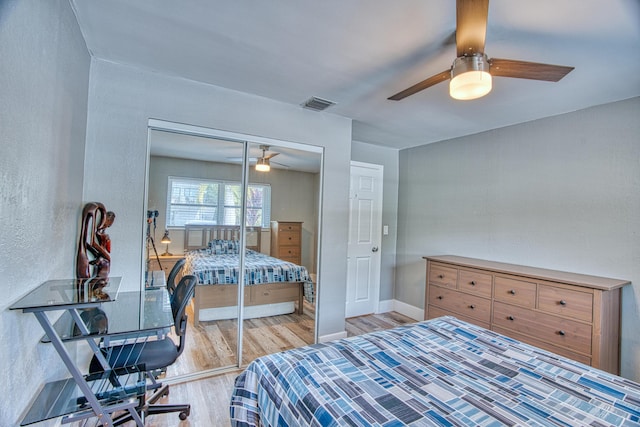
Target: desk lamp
x,y
166,240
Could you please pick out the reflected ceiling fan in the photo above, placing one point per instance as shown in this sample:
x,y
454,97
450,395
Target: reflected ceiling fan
x,y
472,70
263,163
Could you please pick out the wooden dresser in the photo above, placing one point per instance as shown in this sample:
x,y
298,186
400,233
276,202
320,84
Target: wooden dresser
x,y
286,241
574,315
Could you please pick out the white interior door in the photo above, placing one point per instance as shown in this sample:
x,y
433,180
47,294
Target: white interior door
x,y
365,230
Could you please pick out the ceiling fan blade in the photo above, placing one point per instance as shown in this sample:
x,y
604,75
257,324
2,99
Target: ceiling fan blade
x,y
270,155
440,77
281,164
471,22
527,70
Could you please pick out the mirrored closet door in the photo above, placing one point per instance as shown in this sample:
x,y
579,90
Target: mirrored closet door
x,y
279,304
197,222
189,180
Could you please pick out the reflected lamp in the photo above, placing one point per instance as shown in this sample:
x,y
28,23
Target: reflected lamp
x,y
166,240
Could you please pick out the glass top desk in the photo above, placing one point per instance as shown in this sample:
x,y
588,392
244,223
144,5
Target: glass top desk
x,y
94,310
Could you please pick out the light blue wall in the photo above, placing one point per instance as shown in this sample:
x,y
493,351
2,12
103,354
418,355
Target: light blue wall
x,y
44,78
560,193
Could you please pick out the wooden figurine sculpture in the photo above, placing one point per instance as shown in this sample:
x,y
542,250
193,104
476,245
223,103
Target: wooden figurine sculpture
x,y
94,246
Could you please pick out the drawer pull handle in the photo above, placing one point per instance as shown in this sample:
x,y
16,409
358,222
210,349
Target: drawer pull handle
x,y
563,302
440,276
472,306
473,283
561,332
512,292
439,296
511,318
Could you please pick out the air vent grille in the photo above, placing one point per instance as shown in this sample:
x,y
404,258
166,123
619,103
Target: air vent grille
x,y
317,104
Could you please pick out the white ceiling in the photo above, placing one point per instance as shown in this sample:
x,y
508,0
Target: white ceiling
x,y
357,53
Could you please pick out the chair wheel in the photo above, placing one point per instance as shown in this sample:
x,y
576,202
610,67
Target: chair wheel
x,y
183,415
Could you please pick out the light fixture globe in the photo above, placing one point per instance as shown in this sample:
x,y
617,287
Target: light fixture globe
x,y
470,78
263,165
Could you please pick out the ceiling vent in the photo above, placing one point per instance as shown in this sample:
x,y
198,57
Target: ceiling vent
x,y
317,104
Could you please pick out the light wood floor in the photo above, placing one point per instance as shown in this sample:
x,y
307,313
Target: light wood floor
x,y
212,345
209,398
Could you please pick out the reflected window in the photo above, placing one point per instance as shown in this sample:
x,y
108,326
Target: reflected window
x,y
207,201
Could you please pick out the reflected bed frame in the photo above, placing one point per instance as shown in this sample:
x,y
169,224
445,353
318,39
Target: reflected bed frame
x,y
226,296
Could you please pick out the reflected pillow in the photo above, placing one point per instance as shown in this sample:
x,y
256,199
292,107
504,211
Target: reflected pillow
x,y
221,247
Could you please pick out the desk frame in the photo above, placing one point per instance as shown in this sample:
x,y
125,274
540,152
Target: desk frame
x,y
113,391
102,412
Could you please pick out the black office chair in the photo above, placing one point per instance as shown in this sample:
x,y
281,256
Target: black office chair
x,y
154,356
171,280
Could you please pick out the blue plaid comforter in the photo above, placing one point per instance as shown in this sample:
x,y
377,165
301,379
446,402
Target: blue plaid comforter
x,y
442,372
216,269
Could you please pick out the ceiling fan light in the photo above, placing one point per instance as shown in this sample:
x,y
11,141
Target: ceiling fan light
x,y
263,165
470,78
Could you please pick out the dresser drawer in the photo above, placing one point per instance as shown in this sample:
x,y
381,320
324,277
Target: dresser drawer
x,y
565,302
443,275
515,291
439,312
468,305
554,330
289,226
289,238
288,251
544,345
475,281
273,293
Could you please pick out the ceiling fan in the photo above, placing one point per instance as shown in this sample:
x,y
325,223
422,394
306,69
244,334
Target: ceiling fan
x,y
472,70
263,164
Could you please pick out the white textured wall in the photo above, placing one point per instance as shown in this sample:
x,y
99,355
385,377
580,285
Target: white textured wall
x,y
560,193
388,158
44,74
122,99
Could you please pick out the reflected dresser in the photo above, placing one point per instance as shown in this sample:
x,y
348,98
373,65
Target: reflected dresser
x,y
286,241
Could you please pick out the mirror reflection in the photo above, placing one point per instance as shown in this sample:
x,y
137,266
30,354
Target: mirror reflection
x,y
195,186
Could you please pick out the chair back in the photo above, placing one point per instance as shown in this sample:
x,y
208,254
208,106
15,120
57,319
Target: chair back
x,y
173,274
179,301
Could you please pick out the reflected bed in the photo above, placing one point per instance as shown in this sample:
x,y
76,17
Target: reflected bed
x,y
272,286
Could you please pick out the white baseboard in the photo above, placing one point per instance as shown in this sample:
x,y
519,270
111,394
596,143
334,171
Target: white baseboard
x,y
331,337
408,310
385,306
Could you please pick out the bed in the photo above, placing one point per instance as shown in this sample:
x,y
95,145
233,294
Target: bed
x,y
272,286
441,372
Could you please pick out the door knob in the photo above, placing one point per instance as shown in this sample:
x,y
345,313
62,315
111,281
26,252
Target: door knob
x,y
374,249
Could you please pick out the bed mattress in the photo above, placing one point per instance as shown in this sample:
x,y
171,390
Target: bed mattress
x,y
213,269
441,372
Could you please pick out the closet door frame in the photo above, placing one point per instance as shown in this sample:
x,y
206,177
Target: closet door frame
x,y
245,140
